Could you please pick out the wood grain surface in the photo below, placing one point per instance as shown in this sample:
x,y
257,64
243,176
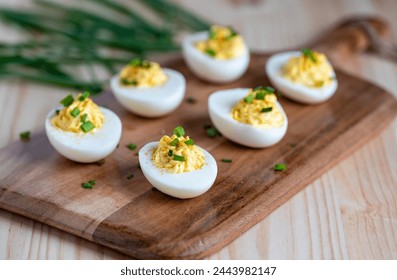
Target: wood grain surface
x,y
348,213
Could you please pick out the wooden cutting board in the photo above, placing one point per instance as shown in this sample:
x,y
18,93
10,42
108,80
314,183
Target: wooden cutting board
x,y
130,216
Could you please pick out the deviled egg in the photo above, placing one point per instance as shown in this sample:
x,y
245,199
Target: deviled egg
x,y
305,76
219,55
176,166
146,89
82,131
250,117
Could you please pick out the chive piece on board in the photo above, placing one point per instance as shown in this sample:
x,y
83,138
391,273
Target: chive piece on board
x,y
226,160
212,132
131,146
25,135
279,167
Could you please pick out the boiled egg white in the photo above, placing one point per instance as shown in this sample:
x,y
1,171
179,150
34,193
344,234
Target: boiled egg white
x,y
210,69
86,147
181,185
220,104
154,101
295,91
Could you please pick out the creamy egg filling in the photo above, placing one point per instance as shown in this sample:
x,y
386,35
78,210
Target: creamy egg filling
x,y
142,73
178,154
80,114
223,43
311,69
259,109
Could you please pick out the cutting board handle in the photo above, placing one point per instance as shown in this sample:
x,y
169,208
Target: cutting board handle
x,y
353,36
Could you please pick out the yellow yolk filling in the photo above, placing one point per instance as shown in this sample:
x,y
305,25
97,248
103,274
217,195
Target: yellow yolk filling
x,y
67,122
257,112
142,73
164,159
223,43
312,71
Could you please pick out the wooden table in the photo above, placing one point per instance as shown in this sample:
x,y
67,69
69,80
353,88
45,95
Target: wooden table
x,y
348,213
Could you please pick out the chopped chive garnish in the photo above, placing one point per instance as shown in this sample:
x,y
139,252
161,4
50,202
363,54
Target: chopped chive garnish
x,y
57,112
267,110
75,112
178,158
170,153
212,34
84,96
249,98
129,177
179,131
137,61
67,101
129,83
87,126
279,167
309,54
191,100
174,142
189,142
84,118
260,95
24,135
226,160
232,34
131,146
212,132
88,185
210,52
270,89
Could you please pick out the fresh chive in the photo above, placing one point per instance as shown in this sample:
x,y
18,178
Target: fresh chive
x,y
174,142
25,135
212,132
170,153
179,131
88,185
210,52
260,95
84,118
67,101
267,110
226,160
189,142
309,54
232,34
87,126
131,146
191,100
75,112
57,112
129,177
84,96
137,61
249,98
265,88
279,167
178,158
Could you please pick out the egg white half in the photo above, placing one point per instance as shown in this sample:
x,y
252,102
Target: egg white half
x,y
86,147
180,185
294,91
220,104
151,102
211,69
